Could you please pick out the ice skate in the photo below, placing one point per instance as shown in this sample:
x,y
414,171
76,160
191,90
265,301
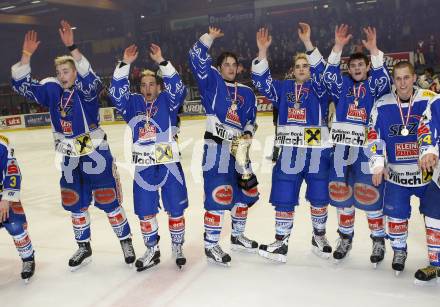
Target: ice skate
x,y
427,275
81,257
216,255
150,258
321,247
128,250
378,252
243,244
276,251
343,248
28,269
399,261
178,254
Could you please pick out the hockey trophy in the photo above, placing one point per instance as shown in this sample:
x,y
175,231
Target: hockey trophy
x,y
240,150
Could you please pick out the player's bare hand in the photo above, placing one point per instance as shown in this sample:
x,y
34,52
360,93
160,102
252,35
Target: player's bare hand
x,y
378,174
370,43
4,210
215,32
30,43
130,54
156,53
304,32
263,39
428,162
342,37
66,33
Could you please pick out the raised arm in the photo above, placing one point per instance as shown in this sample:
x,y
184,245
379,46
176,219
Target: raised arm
x,y
173,85
314,57
379,81
332,73
87,82
22,82
119,90
201,61
261,76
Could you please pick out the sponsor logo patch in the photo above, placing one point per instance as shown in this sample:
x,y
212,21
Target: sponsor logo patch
x,y
356,114
366,194
223,194
69,197
397,228
212,219
104,196
406,151
339,191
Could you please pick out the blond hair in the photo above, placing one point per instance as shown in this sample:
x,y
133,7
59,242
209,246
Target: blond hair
x,y
64,59
404,64
300,56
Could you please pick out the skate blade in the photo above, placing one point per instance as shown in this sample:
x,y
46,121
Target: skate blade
x,y
339,261
226,264
155,262
274,257
83,264
26,281
427,283
130,265
239,248
397,273
319,253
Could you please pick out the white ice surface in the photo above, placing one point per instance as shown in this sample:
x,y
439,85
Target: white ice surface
x,y
305,280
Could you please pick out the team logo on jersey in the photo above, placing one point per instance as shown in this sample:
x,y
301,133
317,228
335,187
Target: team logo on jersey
x,y
362,92
12,168
163,153
83,144
339,191
233,118
223,194
366,194
312,136
406,151
251,193
297,115
67,127
147,133
303,95
356,114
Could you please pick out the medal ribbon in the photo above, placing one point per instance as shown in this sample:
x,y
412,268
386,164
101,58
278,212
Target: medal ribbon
x,y
405,123
357,96
298,93
68,100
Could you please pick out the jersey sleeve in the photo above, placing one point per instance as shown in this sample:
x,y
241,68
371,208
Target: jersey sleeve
x,y
333,77
250,126
263,82
429,128
201,65
119,92
11,172
376,145
87,82
24,85
173,86
379,81
317,67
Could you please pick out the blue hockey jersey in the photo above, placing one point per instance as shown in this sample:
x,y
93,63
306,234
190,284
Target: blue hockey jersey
x,y
10,175
218,96
151,122
302,108
354,100
74,112
393,137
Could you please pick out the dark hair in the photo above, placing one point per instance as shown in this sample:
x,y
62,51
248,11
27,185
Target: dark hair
x,y
429,70
404,64
358,56
224,55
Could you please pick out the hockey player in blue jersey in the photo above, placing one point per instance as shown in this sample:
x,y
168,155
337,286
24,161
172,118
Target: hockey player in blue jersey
x,y
350,183
228,180
392,135
302,133
429,137
88,169
155,154
12,216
